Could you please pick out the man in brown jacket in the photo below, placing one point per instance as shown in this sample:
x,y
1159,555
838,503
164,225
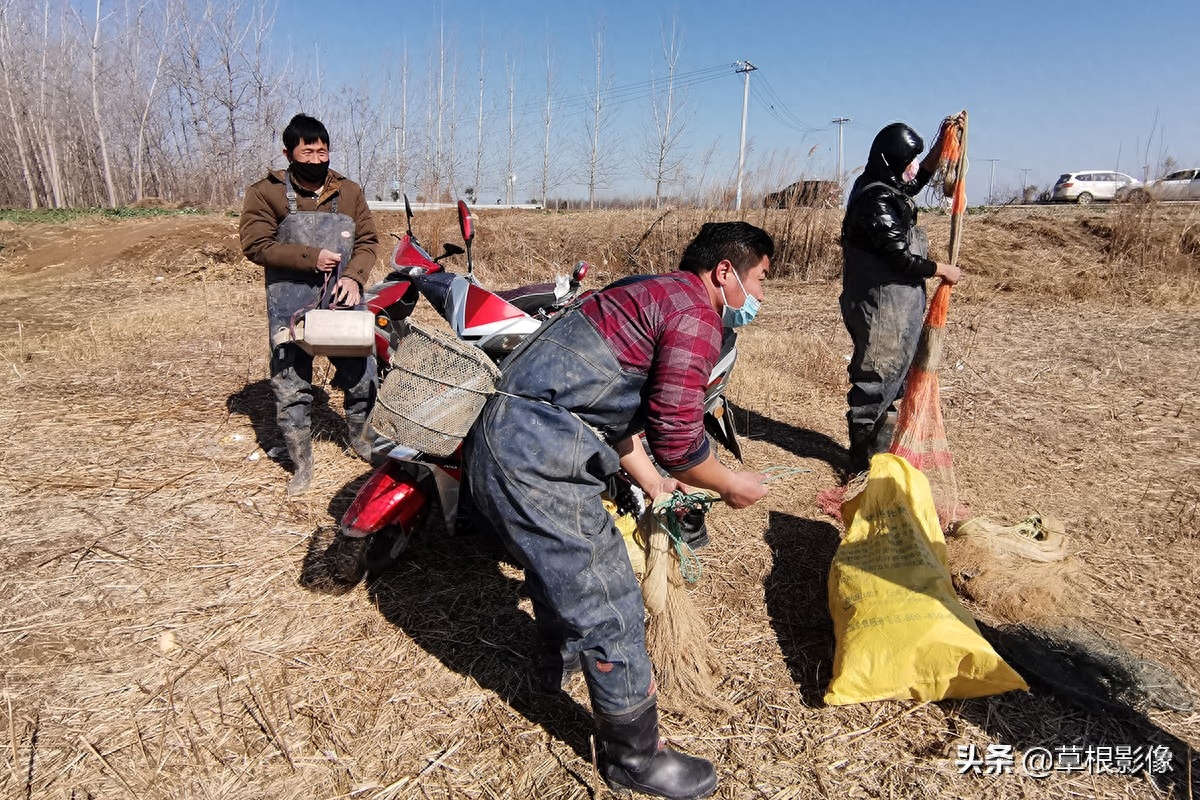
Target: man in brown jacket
x,y
307,225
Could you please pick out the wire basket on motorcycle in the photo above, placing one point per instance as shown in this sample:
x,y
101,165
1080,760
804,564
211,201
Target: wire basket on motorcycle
x,y
434,391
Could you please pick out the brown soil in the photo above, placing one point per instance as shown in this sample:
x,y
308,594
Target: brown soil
x,y
155,640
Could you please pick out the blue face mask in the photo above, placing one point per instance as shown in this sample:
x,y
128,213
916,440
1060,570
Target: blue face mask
x,y
737,317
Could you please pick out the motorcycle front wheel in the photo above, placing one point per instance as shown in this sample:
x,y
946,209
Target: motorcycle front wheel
x,y
384,549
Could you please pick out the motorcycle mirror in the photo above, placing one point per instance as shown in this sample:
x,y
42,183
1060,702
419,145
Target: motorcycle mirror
x,y
581,271
408,213
464,222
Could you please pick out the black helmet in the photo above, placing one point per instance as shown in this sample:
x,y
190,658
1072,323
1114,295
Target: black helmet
x,y
893,150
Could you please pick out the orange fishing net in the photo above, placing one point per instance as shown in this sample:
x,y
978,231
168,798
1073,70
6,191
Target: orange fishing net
x,y
920,433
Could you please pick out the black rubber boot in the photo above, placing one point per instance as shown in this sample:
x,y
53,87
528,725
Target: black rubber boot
x,y
299,447
346,562
633,757
862,439
362,438
885,430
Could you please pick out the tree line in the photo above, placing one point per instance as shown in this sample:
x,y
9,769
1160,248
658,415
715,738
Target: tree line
x,y
112,102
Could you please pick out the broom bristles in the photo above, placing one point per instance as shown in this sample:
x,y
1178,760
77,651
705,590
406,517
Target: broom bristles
x,y
687,666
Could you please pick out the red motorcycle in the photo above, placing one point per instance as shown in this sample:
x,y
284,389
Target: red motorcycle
x,y
390,507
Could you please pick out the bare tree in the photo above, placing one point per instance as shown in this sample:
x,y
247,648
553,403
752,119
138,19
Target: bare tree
x,y
511,151
9,70
597,123
402,152
451,154
439,108
662,154
358,116
142,33
547,119
102,141
478,176
45,99
395,121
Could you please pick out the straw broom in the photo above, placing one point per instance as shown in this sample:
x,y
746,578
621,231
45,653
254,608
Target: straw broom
x,y
686,665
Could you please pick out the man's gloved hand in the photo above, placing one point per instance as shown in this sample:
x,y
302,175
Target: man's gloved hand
x,y
347,293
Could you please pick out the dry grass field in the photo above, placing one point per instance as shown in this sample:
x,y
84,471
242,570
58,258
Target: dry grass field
x,y
156,640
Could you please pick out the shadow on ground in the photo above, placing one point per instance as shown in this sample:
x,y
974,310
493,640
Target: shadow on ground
x,y
1073,714
449,595
800,442
256,401
797,599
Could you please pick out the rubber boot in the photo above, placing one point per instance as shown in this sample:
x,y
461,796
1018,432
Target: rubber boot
x,y
885,431
633,757
346,562
362,438
862,439
299,447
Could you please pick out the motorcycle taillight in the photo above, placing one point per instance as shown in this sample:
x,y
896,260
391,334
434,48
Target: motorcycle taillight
x,y
391,496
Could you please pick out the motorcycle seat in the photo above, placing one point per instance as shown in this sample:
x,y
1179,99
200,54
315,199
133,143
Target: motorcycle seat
x,y
532,298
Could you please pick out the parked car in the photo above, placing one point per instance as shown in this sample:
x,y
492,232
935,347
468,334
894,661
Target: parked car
x,y
1181,185
1093,184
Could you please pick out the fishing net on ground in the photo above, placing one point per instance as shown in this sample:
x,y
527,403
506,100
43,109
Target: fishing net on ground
x,y
1039,599
1075,660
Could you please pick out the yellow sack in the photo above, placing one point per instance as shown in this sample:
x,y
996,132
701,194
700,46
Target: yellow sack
x,y
901,632
627,526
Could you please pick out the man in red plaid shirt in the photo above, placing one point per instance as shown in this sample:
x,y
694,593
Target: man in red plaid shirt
x,y
635,356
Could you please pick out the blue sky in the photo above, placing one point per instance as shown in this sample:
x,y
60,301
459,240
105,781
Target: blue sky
x,y
1050,86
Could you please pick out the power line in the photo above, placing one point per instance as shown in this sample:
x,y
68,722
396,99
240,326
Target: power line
x,y
619,95
775,103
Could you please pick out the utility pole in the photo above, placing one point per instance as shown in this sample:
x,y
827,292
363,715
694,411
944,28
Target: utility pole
x,y
743,67
992,179
840,121
1024,172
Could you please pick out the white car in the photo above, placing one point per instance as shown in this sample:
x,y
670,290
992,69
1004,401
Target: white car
x,y
1181,185
1088,185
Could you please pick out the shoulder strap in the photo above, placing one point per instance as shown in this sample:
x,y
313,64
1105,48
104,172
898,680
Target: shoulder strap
x,y
891,189
290,191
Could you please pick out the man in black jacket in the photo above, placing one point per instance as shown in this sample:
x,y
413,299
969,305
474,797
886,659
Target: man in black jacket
x,y
885,266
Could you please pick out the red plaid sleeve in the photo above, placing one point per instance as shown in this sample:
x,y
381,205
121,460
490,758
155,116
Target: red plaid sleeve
x,y
664,327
